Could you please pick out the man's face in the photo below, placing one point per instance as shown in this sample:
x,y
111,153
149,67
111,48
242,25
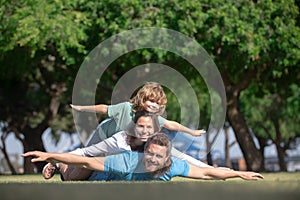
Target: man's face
x,y
144,128
155,157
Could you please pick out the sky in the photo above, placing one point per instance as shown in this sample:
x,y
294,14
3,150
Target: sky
x,y
15,147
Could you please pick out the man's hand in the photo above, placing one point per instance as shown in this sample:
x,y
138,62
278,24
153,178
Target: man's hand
x,y
38,156
250,175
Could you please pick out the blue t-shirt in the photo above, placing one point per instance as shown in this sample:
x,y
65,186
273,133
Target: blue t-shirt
x,y
129,166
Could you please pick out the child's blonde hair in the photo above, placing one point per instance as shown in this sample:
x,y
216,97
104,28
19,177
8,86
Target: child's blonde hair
x,y
151,91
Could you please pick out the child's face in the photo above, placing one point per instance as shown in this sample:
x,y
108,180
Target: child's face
x,y
151,106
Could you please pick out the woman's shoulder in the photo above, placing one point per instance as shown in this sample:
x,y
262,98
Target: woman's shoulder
x,y
120,135
121,140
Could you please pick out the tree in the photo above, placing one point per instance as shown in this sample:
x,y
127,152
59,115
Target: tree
x,y
243,37
248,40
39,39
275,118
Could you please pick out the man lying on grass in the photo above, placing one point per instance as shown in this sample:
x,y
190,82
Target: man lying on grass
x,y
154,164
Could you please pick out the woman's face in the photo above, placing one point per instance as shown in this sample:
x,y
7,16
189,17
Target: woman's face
x,y
144,128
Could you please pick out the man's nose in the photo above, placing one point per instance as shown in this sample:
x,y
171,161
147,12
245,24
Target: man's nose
x,y
153,159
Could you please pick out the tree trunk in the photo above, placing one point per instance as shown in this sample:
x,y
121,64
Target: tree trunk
x,y
254,160
280,154
209,159
3,149
280,150
208,147
227,147
33,141
33,136
262,143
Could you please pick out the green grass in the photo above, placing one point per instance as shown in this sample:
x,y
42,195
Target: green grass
x,y
275,186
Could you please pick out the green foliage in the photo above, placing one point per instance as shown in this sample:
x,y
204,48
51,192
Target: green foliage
x,y
38,25
261,112
43,43
243,34
184,113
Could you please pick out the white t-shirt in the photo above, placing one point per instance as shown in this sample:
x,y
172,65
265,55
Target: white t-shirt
x,y
117,144
113,145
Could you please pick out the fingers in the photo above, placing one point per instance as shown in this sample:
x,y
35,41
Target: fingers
x,y
36,160
37,156
259,176
27,154
199,132
78,108
256,176
225,168
253,176
31,153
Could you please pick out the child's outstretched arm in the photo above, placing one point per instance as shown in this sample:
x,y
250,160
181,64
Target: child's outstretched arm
x,y
175,126
100,108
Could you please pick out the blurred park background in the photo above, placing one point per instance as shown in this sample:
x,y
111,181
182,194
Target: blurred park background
x,y
254,44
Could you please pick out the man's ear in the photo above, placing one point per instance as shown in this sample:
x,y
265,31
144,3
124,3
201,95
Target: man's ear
x,y
168,161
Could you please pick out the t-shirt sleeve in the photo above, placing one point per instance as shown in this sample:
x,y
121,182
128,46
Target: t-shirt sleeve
x,y
115,144
161,121
116,111
119,163
122,114
178,168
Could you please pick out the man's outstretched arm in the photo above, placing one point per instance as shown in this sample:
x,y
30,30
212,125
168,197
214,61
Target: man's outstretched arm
x,y
221,173
93,163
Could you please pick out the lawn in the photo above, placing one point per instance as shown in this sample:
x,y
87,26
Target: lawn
x,y
275,186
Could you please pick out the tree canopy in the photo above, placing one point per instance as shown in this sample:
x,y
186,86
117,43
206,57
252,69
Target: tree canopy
x,y
255,45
